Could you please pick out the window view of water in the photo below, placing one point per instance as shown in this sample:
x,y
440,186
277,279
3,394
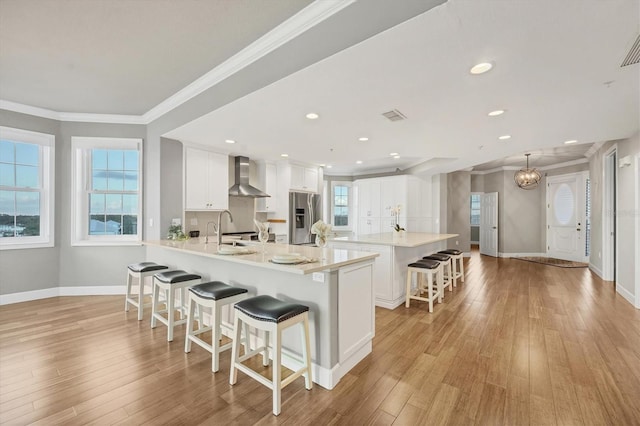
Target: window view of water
x,y
20,189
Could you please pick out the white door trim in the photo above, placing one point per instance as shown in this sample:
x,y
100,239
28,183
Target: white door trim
x,y
637,248
580,178
609,216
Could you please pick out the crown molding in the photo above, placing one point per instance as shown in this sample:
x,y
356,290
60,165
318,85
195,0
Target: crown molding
x,y
550,167
71,116
302,21
307,18
594,148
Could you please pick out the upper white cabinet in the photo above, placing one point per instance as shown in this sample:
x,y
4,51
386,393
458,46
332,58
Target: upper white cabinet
x,y
206,180
268,182
304,178
379,197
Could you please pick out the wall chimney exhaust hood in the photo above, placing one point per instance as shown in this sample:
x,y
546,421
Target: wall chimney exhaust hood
x,y
241,188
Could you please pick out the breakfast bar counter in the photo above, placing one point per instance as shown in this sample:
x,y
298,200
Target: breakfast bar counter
x,y
396,251
336,284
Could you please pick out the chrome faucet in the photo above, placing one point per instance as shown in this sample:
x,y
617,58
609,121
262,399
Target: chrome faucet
x,y
219,225
206,237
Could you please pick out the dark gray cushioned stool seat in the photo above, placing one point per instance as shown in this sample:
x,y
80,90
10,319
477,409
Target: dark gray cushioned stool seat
x,y
270,309
216,290
425,264
451,251
146,267
438,256
172,277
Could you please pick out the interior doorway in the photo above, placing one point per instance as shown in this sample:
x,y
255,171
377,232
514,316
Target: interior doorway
x,y
489,224
609,216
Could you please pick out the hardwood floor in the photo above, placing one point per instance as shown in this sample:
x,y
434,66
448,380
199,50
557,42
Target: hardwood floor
x,y
518,343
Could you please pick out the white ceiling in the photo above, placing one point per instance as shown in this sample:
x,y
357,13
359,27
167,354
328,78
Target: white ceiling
x,y
121,57
551,62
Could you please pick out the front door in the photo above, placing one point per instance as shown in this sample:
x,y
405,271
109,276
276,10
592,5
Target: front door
x,y
489,224
566,217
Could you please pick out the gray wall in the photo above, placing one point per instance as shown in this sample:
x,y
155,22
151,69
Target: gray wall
x,y
628,215
33,269
63,265
458,192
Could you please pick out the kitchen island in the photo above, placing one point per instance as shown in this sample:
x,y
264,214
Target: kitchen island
x,y
396,251
336,284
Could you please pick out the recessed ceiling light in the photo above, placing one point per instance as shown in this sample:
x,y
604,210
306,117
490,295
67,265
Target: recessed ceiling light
x,y
329,166
496,113
284,155
363,139
396,156
312,116
359,162
322,165
571,141
393,154
229,141
504,137
481,68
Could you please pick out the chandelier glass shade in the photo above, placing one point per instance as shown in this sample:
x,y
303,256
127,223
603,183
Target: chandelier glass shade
x,y
527,178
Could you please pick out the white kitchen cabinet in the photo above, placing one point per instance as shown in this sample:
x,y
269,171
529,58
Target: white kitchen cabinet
x,y
206,180
377,197
304,178
268,182
281,238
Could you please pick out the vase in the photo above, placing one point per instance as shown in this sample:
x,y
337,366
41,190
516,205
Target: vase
x,y
321,241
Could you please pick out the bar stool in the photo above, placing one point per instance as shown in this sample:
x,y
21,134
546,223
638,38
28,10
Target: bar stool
x,y
171,281
139,271
272,316
458,270
212,295
445,259
430,268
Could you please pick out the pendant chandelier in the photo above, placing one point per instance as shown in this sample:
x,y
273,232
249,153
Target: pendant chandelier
x,y
527,178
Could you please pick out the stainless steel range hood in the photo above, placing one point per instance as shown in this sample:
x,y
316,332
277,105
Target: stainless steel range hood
x,y
241,188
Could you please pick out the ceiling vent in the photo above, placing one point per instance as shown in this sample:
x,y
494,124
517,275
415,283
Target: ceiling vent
x,y
394,115
633,57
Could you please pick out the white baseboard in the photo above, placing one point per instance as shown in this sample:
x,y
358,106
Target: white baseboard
x,y
501,254
596,270
26,296
389,304
626,294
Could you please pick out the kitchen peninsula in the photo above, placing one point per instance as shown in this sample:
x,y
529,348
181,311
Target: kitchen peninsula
x,y
396,251
337,285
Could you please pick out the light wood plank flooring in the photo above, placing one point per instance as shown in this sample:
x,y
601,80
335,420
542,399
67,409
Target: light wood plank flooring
x,y
518,343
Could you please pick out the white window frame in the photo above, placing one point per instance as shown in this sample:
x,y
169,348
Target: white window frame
x,y
350,205
80,160
46,177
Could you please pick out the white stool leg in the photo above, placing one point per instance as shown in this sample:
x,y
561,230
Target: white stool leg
x,y
155,295
190,317
430,290
235,350
454,271
170,314
215,337
128,293
306,351
265,352
450,276
408,297
140,296
277,380
461,268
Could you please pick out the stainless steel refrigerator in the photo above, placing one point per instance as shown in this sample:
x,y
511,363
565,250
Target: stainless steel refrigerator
x,y
304,210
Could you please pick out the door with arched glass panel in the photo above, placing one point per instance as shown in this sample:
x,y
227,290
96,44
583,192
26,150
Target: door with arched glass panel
x,y
567,217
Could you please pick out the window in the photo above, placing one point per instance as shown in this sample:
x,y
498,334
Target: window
x,y
341,204
26,189
475,209
108,197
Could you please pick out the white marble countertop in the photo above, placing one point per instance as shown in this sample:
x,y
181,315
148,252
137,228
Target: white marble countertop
x,y
322,258
406,239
